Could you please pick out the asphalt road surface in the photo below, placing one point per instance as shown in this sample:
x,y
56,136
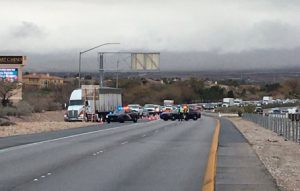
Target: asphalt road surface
x,y
16,140
154,156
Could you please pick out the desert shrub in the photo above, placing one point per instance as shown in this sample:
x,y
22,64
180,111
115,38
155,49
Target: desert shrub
x,y
23,108
8,111
233,109
48,99
249,108
40,103
54,106
5,122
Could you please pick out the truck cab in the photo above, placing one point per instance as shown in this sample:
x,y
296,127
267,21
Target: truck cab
x,y
75,110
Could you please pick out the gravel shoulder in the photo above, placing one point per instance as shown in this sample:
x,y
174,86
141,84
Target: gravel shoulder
x,y
39,122
281,158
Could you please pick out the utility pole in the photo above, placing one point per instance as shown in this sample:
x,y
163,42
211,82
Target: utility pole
x,y
117,79
101,70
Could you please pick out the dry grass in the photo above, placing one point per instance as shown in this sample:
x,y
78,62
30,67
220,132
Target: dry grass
x,y
39,122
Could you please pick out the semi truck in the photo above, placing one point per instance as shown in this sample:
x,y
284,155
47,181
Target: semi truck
x,y
228,102
267,100
91,103
168,102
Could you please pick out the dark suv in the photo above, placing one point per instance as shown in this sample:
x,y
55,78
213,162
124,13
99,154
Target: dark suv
x,y
122,116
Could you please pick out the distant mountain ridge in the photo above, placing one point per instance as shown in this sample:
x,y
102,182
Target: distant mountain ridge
x,y
67,61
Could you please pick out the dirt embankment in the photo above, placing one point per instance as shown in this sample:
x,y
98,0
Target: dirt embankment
x,y
281,158
39,122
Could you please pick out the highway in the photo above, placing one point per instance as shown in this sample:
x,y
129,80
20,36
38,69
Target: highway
x,y
156,155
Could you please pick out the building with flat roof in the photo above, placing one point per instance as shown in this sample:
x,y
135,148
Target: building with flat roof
x,y
41,80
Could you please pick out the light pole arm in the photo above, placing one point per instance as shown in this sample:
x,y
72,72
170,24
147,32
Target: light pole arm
x,y
82,52
98,47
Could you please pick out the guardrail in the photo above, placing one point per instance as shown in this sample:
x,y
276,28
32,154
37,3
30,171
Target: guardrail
x,y
287,126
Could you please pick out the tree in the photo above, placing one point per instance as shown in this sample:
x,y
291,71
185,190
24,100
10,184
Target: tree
x,y
214,93
270,87
230,94
196,85
293,86
7,91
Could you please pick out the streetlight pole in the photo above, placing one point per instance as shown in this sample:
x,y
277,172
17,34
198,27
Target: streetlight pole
x,y
117,77
117,80
82,52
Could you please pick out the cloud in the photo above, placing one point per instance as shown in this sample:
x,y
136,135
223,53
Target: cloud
x,y
220,31
275,34
27,30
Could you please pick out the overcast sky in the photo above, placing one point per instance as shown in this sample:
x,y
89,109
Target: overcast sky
x,y
47,27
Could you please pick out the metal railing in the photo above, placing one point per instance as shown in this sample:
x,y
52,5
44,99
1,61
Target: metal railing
x,y
281,124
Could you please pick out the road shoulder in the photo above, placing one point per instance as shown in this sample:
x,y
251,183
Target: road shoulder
x,y
280,157
238,167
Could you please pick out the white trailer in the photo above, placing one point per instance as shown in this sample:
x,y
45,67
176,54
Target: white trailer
x,y
238,102
92,103
168,102
267,100
228,102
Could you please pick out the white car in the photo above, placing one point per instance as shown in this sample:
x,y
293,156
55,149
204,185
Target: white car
x,y
136,108
149,109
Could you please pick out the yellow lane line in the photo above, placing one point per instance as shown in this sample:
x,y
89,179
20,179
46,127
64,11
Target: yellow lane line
x,y
210,173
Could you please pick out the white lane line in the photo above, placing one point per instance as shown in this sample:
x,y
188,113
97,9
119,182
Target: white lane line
x,y
49,173
97,153
35,180
71,136
62,138
144,135
43,176
124,143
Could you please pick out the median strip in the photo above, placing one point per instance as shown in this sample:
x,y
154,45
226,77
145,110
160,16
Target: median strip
x,y
210,172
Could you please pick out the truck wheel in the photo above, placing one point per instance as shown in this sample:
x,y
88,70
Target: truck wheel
x,y
134,120
195,117
108,121
173,118
121,121
165,119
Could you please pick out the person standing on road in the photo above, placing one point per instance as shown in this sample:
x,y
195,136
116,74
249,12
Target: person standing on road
x,y
185,112
180,113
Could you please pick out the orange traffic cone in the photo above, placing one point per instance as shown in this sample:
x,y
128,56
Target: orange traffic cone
x,y
100,121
